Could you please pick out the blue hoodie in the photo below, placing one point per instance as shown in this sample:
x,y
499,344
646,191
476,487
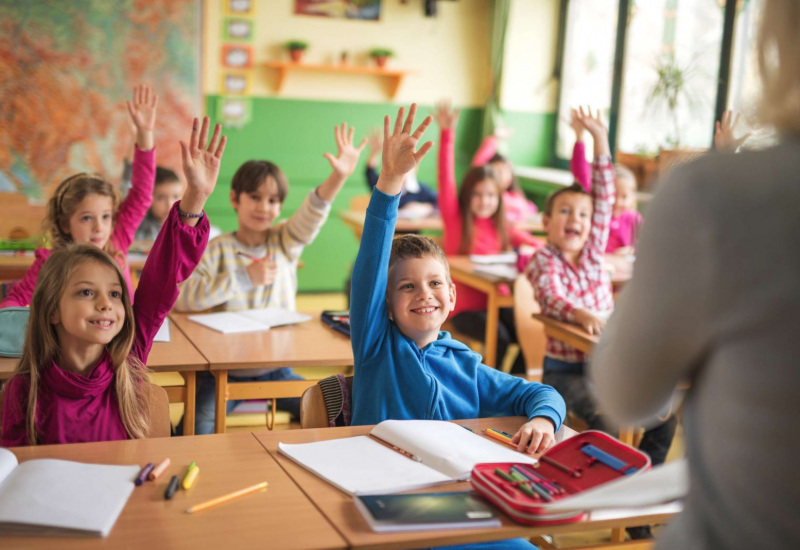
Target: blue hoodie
x,y
445,380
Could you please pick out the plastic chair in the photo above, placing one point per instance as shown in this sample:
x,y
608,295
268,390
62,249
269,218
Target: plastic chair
x,y
327,403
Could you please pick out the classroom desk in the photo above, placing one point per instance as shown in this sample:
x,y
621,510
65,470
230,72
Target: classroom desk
x,y
340,510
14,266
354,219
308,344
462,270
176,355
281,517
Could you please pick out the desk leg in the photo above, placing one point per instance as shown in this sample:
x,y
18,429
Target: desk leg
x,y
490,338
190,380
221,400
626,435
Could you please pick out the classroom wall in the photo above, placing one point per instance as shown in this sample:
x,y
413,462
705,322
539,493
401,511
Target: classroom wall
x,y
449,55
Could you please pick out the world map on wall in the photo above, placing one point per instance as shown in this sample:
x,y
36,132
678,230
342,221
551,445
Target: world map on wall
x,y
66,69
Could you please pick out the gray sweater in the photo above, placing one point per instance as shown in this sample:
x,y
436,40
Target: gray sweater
x,y
715,300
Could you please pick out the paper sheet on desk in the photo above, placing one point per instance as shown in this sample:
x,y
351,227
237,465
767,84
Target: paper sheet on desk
x,y
504,271
163,333
504,258
662,484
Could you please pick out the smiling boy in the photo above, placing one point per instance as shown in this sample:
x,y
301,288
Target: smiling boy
x,y
405,368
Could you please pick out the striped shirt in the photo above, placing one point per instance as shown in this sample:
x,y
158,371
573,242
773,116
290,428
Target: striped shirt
x,y
561,288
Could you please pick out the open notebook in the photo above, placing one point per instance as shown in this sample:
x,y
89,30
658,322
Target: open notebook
x,y
57,497
252,320
362,466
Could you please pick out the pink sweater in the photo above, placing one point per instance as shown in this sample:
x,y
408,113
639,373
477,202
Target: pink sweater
x,y
72,408
129,215
622,229
485,238
517,207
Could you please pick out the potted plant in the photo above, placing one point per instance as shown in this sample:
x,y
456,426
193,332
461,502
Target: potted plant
x,y
296,49
380,55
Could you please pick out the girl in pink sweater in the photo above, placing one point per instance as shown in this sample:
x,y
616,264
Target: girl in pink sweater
x,y
85,208
475,223
82,372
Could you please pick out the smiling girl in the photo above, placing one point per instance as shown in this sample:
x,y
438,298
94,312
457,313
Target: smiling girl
x,y
85,207
82,370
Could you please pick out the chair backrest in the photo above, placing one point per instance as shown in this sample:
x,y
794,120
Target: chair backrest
x,y
158,406
321,403
530,332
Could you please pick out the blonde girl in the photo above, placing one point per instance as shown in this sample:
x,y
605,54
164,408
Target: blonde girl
x,y
82,370
86,209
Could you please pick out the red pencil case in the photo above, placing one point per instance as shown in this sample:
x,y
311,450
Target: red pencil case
x,y
580,463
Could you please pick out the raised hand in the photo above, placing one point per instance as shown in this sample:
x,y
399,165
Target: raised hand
x,y
596,127
375,146
723,134
400,154
577,125
446,117
143,115
201,164
347,158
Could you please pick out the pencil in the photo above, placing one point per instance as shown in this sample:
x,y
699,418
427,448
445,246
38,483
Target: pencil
x,y
253,258
227,498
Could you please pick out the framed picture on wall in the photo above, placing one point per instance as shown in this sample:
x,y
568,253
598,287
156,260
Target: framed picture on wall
x,y
240,7
238,30
234,83
368,10
234,111
237,56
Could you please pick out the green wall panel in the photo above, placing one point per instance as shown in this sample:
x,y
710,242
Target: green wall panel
x,y
294,134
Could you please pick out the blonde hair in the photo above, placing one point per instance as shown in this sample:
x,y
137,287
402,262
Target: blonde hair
x,y
65,200
779,65
42,346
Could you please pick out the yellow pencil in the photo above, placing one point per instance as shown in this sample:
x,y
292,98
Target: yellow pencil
x,y
227,498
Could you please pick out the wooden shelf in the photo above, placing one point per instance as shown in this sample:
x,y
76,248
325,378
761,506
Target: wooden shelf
x,y
284,67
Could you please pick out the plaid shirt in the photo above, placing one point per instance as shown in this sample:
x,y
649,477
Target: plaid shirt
x,y
561,288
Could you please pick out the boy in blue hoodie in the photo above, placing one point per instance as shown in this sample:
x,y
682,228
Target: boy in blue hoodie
x,y
405,368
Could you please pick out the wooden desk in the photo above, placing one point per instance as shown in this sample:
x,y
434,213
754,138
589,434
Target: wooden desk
x,y
176,355
14,266
309,344
281,517
570,334
340,510
463,271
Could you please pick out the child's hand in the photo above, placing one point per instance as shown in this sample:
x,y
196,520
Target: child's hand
x,y
577,125
596,127
201,165
262,273
345,162
143,115
535,436
590,322
446,117
375,145
723,134
399,155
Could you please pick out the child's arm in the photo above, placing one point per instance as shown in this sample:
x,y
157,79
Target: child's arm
x,y
518,237
578,165
486,150
447,118
181,241
22,292
603,183
143,172
505,395
368,312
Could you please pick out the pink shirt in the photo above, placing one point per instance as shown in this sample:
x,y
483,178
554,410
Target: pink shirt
x,y
485,238
73,408
518,208
129,215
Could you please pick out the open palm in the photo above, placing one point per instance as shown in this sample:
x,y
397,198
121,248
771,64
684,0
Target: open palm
x,y
347,158
201,163
446,117
143,108
400,154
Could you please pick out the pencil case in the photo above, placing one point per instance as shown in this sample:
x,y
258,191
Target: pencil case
x,y
524,491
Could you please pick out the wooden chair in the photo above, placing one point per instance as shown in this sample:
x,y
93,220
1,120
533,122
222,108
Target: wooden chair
x,y
359,203
315,410
530,332
158,407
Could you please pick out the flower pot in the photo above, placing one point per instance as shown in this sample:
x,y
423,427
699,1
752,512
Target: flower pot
x,y
381,61
296,55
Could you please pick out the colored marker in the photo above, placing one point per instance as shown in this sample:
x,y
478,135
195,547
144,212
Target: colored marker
x,y
143,474
530,484
158,470
523,485
546,482
253,258
227,498
172,487
191,476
